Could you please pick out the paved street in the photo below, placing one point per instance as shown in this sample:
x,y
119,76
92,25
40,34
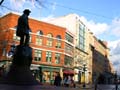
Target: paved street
x,y
46,87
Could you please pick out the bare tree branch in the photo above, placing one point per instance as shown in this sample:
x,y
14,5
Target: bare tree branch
x,y
1,2
40,3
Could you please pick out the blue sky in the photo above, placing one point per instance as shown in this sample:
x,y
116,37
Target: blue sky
x,y
101,16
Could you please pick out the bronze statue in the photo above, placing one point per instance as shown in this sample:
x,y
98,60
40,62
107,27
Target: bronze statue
x,y
23,28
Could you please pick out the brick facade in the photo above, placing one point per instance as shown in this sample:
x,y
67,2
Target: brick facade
x,y
51,41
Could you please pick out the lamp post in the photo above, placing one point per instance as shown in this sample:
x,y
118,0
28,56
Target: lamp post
x,y
84,69
116,81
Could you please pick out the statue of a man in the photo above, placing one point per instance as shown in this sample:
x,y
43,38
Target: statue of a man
x,y
23,28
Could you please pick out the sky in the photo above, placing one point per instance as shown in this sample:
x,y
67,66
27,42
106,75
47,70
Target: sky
x,y
102,17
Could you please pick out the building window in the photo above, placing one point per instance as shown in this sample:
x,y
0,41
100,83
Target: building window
x,y
69,38
38,40
58,42
49,40
81,39
40,32
68,48
38,55
57,58
49,43
15,38
48,56
58,37
68,61
30,38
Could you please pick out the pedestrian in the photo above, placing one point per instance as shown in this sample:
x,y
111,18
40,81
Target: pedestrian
x,y
23,28
67,81
58,80
73,82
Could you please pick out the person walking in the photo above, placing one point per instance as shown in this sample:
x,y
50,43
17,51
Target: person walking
x,y
58,80
23,28
67,81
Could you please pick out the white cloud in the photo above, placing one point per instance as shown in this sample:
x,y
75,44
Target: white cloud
x,y
115,27
96,28
113,44
53,6
112,32
47,18
115,54
17,3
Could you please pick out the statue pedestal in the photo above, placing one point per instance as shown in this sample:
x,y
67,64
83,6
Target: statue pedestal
x,y
19,73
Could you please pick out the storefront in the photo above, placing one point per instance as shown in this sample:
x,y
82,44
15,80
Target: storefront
x,y
49,73
45,74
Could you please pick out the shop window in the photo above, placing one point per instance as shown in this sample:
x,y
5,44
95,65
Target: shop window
x,y
46,77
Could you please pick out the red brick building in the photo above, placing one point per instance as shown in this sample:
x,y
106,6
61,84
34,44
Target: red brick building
x,y
52,46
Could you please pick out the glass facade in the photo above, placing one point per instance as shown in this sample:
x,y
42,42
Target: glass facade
x,y
81,37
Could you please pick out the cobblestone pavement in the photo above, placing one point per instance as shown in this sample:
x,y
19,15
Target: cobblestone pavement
x,y
50,87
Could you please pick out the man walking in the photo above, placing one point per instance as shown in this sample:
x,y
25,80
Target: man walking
x,y
23,28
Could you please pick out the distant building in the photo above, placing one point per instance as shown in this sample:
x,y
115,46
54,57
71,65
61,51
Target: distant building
x,y
88,49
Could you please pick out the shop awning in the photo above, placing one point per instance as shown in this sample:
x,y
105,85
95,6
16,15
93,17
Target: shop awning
x,y
34,67
68,72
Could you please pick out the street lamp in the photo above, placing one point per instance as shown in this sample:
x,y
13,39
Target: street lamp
x,y
116,81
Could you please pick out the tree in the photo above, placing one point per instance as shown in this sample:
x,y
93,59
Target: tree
x,y
1,1
38,3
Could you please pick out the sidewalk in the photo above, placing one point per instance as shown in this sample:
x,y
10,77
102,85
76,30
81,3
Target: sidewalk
x,y
87,86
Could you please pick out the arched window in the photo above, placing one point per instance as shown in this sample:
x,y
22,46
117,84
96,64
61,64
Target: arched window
x,y
58,37
49,40
49,35
39,32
